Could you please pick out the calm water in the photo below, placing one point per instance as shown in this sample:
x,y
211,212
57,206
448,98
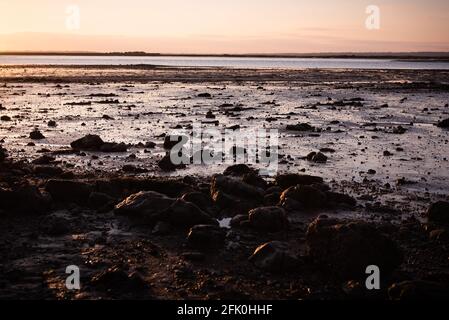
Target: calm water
x,y
258,63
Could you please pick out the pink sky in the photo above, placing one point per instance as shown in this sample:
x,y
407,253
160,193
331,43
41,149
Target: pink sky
x,y
232,26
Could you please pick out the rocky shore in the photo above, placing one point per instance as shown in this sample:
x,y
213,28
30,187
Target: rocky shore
x,y
231,236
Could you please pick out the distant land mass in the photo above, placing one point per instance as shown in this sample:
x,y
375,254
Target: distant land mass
x,y
436,56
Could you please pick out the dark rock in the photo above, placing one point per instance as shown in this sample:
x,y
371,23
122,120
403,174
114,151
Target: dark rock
x,y
5,118
111,147
444,123
336,198
286,181
43,160
317,157
3,154
275,256
231,192
308,196
204,95
301,127
238,170
48,171
167,165
439,212
199,199
146,205
439,235
238,219
87,143
52,124
170,141
255,180
418,290
69,191
150,145
36,135
55,225
206,236
210,115
270,219
348,248
186,215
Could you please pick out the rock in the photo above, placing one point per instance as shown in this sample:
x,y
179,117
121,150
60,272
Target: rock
x,y
199,199
112,147
231,192
43,160
52,124
186,215
5,118
48,171
167,165
309,197
335,198
210,115
444,123
170,141
25,200
301,127
348,248
88,143
439,212
146,205
274,256
206,237
116,279
238,170
36,135
204,95
55,225
270,219
69,191
317,157
418,290
236,222
150,145
161,228
99,200
3,154
286,181
255,180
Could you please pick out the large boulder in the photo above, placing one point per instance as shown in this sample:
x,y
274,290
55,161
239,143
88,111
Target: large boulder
x,y
439,212
91,142
275,256
238,170
146,205
270,219
348,248
69,191
308,196
232,192
443,123
186,215
206,237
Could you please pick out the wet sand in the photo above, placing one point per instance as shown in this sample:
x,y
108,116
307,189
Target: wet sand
x,y
378,130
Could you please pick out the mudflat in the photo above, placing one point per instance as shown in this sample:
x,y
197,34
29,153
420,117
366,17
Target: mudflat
x,y
376,194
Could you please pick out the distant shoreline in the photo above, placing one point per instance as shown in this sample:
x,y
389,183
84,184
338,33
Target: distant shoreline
x,y
414,56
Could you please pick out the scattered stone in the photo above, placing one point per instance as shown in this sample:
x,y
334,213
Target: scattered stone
x,y
317,157
210,115
204,95
52,124
271,219
36,135
275,256
88,143
5,118
206,237
348,248
167,165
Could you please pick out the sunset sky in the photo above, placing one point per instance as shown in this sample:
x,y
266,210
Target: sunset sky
x,y
226,26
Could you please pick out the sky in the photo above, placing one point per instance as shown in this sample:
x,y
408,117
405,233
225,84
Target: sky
x,y
226,26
